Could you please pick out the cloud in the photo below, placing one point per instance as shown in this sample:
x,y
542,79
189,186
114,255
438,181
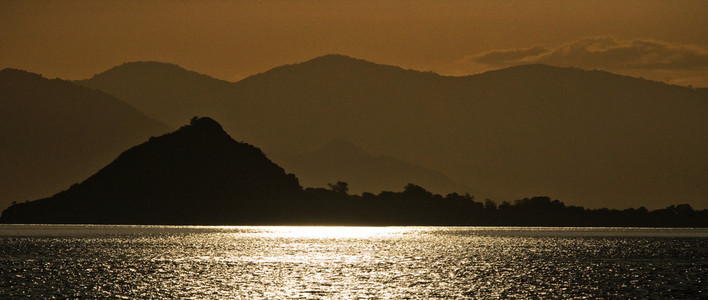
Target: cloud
x,y
610,53
504,57
633,57
603,52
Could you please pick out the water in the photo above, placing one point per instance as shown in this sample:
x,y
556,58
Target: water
x,y
95,261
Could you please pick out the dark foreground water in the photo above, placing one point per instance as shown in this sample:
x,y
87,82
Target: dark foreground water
x,y
42,261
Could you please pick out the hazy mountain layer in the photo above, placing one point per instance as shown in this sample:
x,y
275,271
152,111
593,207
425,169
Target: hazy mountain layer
x,y
164,91
589,138
341,160
54,133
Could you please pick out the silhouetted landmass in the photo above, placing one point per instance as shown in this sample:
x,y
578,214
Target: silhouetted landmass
x,y
200,175
417,206
195,175
342,160
54,133
591,137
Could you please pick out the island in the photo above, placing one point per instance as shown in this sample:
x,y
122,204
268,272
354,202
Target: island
x,y
200,175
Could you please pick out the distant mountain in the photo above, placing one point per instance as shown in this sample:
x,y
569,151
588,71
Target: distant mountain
x,y
163,91
341,160
54,133
195,175
591,138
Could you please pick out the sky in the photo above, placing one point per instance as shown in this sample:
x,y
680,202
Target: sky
x,y
658,40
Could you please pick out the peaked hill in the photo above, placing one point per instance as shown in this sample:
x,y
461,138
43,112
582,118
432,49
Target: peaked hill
x,y
54,133
341,160
195,175
591,138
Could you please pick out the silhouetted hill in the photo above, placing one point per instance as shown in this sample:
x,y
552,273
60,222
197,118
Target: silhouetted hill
x,y
54,133
341,160
589,137
195,175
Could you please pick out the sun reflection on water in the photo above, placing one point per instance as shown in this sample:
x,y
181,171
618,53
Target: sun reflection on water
x,y
334,262
331,232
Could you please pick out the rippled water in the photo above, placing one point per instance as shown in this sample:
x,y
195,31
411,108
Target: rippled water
x,y
41,261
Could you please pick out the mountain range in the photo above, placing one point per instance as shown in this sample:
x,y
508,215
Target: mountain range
x,y
591,138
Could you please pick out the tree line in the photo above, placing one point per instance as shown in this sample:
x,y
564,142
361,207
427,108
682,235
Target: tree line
x,y
417,206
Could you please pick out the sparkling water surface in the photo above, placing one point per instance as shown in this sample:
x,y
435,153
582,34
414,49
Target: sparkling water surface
x,y
245,262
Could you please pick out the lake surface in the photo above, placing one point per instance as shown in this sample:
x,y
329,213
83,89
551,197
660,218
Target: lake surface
x,y
98,261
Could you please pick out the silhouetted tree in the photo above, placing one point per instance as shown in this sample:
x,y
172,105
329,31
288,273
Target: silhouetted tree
x,y
339,187
489,204
416,191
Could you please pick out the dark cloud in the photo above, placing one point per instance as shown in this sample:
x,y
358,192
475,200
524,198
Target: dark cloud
x,y
674,63
511,56
603,52
610,53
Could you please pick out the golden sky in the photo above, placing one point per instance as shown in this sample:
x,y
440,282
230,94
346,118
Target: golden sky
x,y
661,40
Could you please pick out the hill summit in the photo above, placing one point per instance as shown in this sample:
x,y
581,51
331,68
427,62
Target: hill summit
x,y
197,174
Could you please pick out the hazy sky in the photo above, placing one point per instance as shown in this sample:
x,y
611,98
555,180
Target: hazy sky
x,y
662,40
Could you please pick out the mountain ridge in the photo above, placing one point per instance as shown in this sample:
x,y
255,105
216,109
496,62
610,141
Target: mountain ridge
x,y
204,90
590,137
